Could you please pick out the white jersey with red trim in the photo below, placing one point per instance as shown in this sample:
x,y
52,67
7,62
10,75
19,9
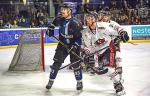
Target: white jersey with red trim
x,y
116,26
105,32
88,39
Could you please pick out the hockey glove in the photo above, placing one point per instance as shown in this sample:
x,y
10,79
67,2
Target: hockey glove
x,y
117,40
50,31
124,36
86,51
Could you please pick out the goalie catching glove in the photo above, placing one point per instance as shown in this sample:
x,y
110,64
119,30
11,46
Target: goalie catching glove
x,y
50,31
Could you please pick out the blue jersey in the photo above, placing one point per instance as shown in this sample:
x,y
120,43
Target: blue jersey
x,y
69,30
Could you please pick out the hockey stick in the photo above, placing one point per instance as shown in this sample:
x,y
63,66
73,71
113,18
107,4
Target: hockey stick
x,y
117,36
132,43
99,72
96,71
69,50
81,59
96,52
65,65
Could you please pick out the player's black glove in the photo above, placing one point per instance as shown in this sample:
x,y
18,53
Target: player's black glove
x,y
50,31
124,36
117,40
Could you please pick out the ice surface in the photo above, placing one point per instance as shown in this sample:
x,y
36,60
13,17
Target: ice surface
x,y
136,74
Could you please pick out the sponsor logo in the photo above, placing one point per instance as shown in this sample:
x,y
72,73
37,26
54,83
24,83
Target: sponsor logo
x,y
140,32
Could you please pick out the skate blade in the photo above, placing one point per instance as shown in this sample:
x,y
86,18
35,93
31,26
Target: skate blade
x,y
47,90
120,93
78,92
92,74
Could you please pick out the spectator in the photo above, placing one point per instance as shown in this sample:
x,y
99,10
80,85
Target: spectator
x,y
124,11
57,4
33,23
1,24
14,24
8,25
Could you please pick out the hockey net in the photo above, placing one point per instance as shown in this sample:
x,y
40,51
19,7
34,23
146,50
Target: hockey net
x,y
29,55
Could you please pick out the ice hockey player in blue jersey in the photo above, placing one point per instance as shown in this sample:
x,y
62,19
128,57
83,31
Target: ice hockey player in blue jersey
x,y
70,36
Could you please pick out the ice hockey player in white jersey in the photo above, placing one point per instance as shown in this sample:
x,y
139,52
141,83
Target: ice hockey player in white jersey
x,y
88,44
117,34
105,35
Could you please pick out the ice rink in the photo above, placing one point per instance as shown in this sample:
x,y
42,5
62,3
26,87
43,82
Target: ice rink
x,y
136,74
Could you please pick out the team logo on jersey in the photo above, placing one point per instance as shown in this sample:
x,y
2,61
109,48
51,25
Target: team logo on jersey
x,y
66,36
101,27
100,41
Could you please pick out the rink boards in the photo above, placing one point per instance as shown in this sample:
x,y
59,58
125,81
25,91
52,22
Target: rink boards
x,y
9,37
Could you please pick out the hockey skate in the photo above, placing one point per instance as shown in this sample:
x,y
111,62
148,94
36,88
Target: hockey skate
x,y
119,89
79,86
49,85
